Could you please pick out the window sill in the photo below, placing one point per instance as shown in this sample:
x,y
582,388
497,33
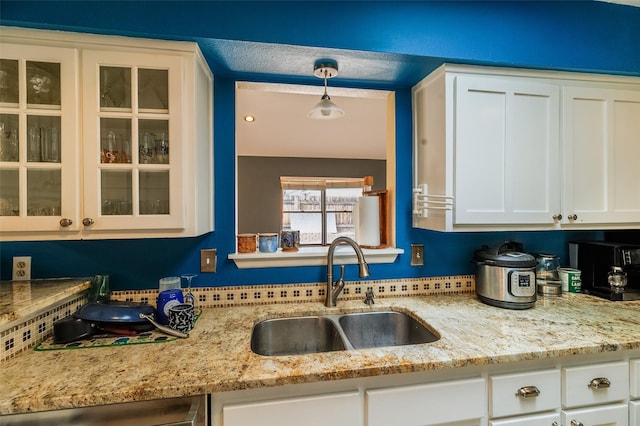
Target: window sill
x,y
312,256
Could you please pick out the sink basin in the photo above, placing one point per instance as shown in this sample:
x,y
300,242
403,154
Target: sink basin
x,y
296,336
325,333
379,329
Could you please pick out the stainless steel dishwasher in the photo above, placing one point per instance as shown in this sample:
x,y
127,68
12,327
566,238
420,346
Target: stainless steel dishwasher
x,y
185,411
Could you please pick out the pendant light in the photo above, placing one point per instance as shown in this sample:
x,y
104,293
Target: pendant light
x,y
325,109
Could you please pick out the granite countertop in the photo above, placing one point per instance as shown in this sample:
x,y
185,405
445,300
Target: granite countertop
x,y
217,356
19,299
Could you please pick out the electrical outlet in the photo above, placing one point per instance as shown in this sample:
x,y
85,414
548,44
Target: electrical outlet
x,y
22,268
417,254
208,260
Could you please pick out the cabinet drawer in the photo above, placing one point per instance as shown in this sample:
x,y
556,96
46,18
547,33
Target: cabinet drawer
x,y
339,409
547,419
579,387
603,415
634,413
634,377
429,404
514,394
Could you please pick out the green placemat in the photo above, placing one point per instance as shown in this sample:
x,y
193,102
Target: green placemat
x,y
106,340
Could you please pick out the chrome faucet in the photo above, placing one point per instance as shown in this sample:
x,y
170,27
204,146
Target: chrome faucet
x,y
334,290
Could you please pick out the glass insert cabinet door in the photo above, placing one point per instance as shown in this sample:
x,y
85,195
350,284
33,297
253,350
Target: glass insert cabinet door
x,y
132,141
38,141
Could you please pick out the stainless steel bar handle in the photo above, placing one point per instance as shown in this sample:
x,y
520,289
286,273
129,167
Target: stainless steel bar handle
x,y
65,222
528,392
599,383
572,217
576,423
87,221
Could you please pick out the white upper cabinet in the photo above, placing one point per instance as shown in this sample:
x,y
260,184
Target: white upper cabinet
x,y
506,151
135,161
38,137
601,136
501,149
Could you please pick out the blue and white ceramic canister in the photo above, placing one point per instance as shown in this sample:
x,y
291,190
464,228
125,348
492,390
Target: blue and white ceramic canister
x,y
268,243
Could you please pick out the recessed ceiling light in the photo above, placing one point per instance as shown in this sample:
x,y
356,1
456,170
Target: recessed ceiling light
x,y
249,118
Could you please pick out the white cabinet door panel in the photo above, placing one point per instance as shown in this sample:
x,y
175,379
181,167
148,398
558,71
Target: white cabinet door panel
x,y
339,409
601,131
460,402
506,151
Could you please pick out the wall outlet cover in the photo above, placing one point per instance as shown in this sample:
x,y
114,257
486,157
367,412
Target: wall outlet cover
x,y
21,268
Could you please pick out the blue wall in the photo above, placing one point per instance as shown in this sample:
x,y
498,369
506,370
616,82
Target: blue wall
x,y
581,36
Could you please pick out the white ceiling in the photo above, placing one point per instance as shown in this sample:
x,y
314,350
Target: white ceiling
x,y
282,128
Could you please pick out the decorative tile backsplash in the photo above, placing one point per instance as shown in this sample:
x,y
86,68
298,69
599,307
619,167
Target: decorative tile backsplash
x,y
216,297
37,328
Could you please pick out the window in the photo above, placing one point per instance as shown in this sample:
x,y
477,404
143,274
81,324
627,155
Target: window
x,y
320,208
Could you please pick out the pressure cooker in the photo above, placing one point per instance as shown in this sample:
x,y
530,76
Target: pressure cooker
x,y
506,276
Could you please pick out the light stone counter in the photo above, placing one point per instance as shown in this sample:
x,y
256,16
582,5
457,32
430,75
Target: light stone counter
x,y
217,356
20,299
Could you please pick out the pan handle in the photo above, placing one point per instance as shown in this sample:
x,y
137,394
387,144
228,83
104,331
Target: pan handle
x,y
164,329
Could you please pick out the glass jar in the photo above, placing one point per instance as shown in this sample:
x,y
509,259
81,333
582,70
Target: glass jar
x,y
547,267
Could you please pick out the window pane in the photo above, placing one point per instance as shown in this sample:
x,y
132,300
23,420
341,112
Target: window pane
x,y
154,192
153,89
9,81
116,192
309,225
115,87
340,220
9,195
302,211
43,83
44,191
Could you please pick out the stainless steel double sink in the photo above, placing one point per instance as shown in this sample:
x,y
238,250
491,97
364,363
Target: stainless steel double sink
x,y
326,333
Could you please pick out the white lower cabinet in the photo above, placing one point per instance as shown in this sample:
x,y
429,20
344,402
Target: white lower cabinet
x,y
547,419
338,409
603,415
591,392
457,402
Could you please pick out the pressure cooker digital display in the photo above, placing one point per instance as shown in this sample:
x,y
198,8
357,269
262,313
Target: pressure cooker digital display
x,y
521,283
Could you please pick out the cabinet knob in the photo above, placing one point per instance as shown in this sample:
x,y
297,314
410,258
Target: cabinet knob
x,y
557,217
528,392
572,217
87,221
65,222
599,383
576,423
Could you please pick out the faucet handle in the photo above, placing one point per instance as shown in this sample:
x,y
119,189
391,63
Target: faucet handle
x,y
369,295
